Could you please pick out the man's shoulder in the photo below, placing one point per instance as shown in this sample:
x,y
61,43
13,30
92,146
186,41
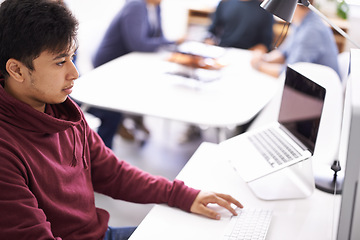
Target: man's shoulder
x,y
133,7
135,3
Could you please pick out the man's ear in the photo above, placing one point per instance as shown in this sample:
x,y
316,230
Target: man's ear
x,y
15,69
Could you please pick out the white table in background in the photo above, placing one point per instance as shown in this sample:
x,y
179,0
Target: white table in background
x,y
139,83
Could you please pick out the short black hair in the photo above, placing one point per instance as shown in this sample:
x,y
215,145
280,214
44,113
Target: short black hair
x,y
29,27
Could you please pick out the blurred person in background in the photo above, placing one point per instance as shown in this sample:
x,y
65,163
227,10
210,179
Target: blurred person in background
x,y
241,24
309,40
238,24
136,27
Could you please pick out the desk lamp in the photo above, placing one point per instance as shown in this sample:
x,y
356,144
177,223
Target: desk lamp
x,y
285,9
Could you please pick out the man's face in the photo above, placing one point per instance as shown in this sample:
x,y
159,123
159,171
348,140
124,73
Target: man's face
x,y
51,80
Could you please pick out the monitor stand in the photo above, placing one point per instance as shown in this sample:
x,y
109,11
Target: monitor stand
x,y
292,182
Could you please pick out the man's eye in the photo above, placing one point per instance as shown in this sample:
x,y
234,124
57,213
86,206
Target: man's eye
x,y
61,63
73,57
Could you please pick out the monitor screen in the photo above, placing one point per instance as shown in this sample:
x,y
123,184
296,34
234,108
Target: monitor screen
x,y
301,107
349,221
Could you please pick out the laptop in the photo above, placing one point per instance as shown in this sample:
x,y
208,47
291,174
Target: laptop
x,y
288,140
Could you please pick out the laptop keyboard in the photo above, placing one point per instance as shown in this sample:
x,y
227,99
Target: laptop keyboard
x,y
250,224
274,148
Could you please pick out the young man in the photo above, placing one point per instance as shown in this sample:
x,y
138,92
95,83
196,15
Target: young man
x,y
51,162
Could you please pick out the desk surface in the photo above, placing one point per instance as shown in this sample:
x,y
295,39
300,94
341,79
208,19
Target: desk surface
x,y
310,218
139,83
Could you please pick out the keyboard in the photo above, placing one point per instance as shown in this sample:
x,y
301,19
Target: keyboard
x,y
274,148
249,224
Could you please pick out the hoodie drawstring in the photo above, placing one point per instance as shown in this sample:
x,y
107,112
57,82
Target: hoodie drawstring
x,y
84,146
74,160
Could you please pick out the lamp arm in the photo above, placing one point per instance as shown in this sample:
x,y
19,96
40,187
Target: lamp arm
x,y
312,8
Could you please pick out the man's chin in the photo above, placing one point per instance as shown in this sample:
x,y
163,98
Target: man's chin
x,y
59,101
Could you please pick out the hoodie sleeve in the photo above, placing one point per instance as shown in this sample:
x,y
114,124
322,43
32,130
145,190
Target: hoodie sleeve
x,y
21,217
120,180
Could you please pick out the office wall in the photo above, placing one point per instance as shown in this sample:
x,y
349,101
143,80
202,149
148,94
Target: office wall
x,y
354,23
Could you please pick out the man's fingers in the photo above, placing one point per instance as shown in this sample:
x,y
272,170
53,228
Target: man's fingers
x,y
225,204
204,198
230,199
207,212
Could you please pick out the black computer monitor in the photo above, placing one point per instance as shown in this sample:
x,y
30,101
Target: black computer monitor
x,y
349,220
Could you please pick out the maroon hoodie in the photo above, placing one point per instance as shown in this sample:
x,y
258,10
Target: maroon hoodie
x,y
50,165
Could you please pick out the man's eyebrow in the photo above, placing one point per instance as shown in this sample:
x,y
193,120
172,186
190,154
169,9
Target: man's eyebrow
x,y
62,55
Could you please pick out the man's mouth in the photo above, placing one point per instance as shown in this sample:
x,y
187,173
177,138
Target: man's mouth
x,y
69,87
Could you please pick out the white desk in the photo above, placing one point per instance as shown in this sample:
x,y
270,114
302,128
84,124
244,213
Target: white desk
x,y
310,218
138,83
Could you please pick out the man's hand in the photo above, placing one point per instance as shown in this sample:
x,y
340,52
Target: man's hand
x,y
204,198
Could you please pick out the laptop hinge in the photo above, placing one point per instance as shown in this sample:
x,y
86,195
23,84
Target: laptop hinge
x,y
294,138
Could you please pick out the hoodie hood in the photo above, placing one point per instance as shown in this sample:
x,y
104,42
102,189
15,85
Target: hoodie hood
x,y
57,118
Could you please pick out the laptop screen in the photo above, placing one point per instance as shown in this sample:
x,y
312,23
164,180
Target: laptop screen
x,y
301,107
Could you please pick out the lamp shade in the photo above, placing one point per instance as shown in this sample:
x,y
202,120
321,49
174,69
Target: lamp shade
x,y
283,9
